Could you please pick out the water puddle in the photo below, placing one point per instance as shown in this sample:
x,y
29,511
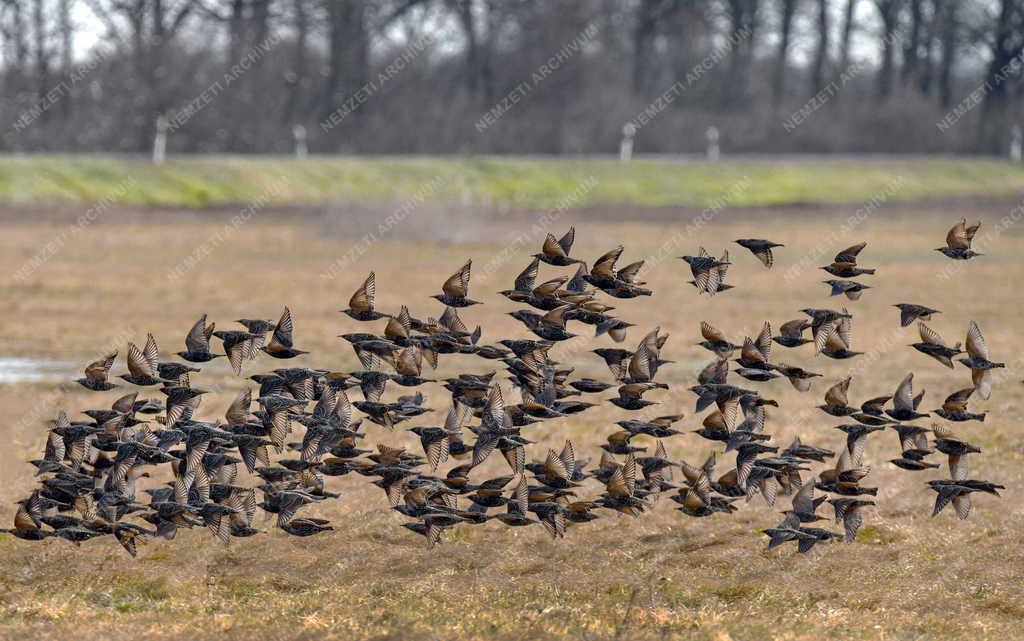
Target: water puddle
x,y
34,370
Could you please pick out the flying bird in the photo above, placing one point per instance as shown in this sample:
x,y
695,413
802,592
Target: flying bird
x,y
761,249
981,367
959,239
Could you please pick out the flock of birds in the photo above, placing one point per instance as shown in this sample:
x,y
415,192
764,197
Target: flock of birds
x,y
90,468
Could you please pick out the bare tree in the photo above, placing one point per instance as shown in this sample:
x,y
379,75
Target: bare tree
x,y
847,34
948,11
820,64
888,11
787,8
1007,47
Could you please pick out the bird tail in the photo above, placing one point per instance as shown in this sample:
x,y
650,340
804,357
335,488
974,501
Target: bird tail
x,y
869,271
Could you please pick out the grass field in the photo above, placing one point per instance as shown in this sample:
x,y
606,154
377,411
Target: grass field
x,y
663,576
492,182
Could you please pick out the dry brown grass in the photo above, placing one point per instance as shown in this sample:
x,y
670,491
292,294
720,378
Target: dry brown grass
x,y
661,576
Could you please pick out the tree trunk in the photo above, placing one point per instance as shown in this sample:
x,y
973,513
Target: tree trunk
x,y
236,31
782,57
40,55
643,45
912,45
296,78
742,18
473,69
844,41
926,72
820,64
348,51
947,48
889,12
1007,45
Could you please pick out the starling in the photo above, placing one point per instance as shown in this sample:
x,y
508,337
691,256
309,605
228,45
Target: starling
x,y
788,530
958,241
306,526
707,271
959,493
805,504
142,364
556,252
791,333
630,395
837,345
910,312
905,403
836,400
852,289
845,263
360,306
197,342
239,347
981,367
954,448
800,450
955,407
550,326
933,345
27,520
755,354
590,385
798,376
715,341
825,323
762,249
848,510
96,374
280,345
455,291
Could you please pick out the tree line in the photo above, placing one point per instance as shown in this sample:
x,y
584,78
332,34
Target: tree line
x,y
511,76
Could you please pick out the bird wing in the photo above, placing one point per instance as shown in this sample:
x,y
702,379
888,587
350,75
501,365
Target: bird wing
x,y
566,241
976,346
983,379
556,317
98,370
362,299
793,328
552,248
283,332
803,501
198,338
526,278
930,336
837,394
630,271
849,255
238,411
712,334
137,363
764,341
957,401
604,267
904,397
751,352
958,238
640,364
457,286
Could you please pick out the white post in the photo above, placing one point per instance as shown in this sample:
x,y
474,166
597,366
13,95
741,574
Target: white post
x,y
626,146
299,133
160,140
713,150
1015,143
